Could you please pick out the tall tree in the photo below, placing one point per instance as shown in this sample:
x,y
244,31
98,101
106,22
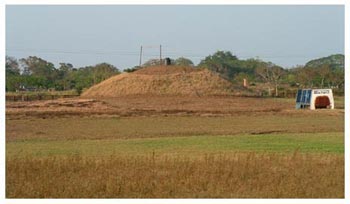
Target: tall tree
x,y
324,73
39,68
64,72
13,78
337,78
305,76
271,74
222,62
276,77
181,61
12,65
103,71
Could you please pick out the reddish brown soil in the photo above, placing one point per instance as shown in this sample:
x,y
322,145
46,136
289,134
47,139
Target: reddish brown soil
x,y
158,105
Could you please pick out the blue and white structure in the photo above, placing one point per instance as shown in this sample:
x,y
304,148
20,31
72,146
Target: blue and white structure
x,y
314,99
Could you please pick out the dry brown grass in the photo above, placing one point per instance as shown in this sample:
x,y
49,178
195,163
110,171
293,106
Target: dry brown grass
x,y
239,175
164,81
48,126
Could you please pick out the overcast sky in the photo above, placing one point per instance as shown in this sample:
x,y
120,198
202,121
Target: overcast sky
x,y
87,35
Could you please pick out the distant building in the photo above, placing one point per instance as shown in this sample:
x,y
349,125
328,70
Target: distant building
x,y
314,99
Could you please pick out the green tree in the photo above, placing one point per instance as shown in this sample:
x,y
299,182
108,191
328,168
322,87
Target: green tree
x,y
334,61
13,77
224,63
337,78
103,71
64,79
181,61
81,78
135,68
40,68
219,61
12,66
85,77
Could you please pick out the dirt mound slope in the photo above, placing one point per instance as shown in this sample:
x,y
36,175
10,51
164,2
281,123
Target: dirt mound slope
x,y
158,80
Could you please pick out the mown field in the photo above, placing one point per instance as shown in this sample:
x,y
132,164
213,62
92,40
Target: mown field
x,y
109,127
283,154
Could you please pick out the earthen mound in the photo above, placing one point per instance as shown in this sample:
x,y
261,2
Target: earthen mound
x,y
163,80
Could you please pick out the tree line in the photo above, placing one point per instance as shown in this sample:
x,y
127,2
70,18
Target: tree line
x,y
327,72
34,73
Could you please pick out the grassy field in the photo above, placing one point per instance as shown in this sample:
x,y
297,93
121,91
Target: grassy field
x,y
263,154
144,127
194,145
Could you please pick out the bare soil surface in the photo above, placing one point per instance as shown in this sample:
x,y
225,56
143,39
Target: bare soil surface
x,y
159,106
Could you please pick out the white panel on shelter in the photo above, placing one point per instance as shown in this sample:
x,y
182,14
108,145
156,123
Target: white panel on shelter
x,y
315,99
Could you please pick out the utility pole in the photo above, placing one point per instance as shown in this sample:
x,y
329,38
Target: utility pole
x,y
141,56
160,54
